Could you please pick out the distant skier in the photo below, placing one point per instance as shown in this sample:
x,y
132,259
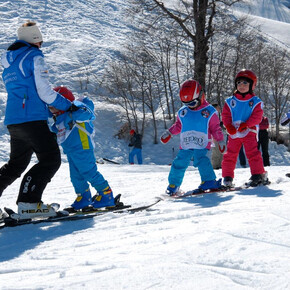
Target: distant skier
x,y
263,140
136,143
75,131
241,115
285,120
197,121
25,77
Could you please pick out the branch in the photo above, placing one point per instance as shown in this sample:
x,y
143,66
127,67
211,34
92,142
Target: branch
x,y
176,18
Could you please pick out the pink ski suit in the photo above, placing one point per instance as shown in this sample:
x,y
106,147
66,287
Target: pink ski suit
x,y
242,109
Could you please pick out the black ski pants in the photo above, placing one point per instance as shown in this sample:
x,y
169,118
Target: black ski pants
x,y
26,139
264,144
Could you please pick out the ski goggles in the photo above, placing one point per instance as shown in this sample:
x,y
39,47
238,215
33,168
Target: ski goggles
x,y
242,82
193,103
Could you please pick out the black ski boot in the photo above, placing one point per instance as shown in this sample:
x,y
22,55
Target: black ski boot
x,y
228,181
258,179
3,215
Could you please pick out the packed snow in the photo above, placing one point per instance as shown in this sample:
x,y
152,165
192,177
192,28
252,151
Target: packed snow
x,y
230,240
233,240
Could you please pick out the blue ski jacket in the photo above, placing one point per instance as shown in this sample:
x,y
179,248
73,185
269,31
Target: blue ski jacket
x,y
25,77
75,130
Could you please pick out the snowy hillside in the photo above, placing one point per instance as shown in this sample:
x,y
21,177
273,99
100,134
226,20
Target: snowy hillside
x,y
78,35
268,9
233,240
271,16
81,36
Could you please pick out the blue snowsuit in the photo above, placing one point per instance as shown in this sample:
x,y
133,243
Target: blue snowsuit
x,y
194,127
75,132
136,143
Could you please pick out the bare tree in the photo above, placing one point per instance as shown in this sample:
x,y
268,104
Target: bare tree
x,y
229,52
195,19
162,53
119,82
276,84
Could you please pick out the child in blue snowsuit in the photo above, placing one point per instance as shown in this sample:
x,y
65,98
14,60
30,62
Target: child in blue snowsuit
x,y
196,122
75,132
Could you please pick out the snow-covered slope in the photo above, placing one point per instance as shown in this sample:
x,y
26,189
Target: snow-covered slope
x,y
269,9
79,36
271,16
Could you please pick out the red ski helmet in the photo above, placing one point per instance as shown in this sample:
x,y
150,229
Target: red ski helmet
x,y
64,91
132,132
247,74
191,93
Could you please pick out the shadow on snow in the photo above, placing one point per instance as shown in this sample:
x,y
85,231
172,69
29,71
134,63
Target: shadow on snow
x,y
14,241
216,198
207,199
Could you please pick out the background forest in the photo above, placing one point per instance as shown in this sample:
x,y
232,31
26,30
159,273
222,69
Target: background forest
x,y
204,40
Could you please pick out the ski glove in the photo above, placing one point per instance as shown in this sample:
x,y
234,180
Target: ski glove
x,y
165,137
231,129
68,122
72,108
243,127
222,146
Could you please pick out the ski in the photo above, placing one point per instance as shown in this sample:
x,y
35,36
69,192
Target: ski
x,y
80,215
90,209
111,161
198,191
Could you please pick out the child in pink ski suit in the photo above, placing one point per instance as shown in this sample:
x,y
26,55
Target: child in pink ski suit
x,y
197,121
241,115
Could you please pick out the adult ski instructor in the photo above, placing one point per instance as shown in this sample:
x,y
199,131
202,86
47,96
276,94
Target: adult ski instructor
x,y
29,91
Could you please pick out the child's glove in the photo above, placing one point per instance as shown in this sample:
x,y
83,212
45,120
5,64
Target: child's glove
x,y
72,108
231,129
243,127
165,137
222,146
68,122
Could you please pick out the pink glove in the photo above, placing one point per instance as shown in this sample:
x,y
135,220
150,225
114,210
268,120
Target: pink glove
x,y
165,137
222,146
231,129
243,127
